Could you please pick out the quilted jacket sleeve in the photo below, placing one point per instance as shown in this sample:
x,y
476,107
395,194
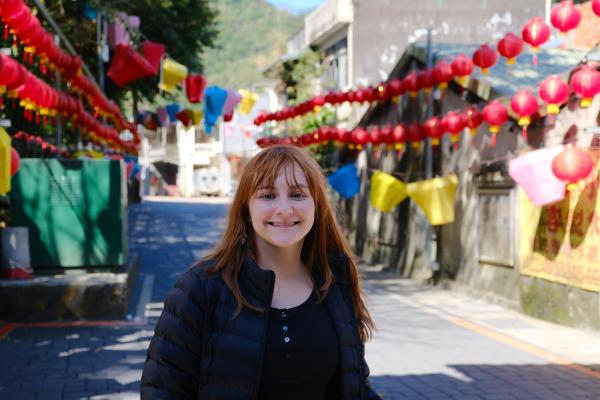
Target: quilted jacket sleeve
x,y
172,363
371,394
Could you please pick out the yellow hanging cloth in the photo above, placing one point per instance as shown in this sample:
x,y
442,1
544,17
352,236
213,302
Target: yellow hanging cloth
x,y
386,191
248,100
171,74
5,142
197,116
435,197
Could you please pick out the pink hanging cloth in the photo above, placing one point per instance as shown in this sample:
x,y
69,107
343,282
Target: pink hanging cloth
x,y
533,172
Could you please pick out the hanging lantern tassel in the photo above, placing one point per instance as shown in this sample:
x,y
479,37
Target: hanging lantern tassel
x,y
494,131
376,152
5,32
455,139
524,122
399,150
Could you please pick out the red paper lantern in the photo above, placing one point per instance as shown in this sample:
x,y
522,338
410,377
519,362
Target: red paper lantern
x,y
15,161
485,57
596,7
383,92
411,83
399,136
415,134
10,7
586,83
375,137
194,87
396,88
359,138
434,129
371,94
510,46
318,101
12,74
442,72
426,80
462,66
359,95
386,136
524,104
572,165
349,96
262,142
454,123
554,92
495,114
565,16
344,136
473,119
535,33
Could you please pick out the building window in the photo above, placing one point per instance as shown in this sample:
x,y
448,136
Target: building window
x,y
495,216
336,65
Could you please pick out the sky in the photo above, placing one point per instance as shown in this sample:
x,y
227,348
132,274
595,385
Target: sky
x,y
297,6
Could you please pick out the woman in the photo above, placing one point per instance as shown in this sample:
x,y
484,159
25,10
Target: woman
x,y
275,310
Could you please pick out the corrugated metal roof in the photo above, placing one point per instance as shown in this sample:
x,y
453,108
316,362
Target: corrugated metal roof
x,y
505,80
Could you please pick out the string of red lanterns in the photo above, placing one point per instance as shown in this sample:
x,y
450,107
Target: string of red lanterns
x,y
24,25
43,144
553,91
40,99
535,33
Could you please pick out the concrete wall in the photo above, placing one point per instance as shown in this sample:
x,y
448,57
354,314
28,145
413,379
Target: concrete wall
x,y
383,28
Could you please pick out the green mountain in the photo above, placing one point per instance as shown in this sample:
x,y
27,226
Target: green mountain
x,y
252,35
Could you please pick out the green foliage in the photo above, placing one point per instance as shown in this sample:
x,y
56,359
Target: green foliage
x,y
299,74
185,27
252,35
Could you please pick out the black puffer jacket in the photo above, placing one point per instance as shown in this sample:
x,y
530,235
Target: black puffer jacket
x,y
199,352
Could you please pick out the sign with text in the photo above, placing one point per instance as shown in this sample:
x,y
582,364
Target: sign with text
x,y
561,242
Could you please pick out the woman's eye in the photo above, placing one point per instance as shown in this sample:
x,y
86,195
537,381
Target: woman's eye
x,y
267,196
298,195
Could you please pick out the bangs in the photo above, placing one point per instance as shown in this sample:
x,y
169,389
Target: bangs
x,y
268,167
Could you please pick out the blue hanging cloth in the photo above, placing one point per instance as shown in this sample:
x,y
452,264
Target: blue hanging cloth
x,y
172,109
89,12
214,100
345,181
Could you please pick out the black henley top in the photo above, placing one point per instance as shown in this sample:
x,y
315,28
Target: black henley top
x,y
301,354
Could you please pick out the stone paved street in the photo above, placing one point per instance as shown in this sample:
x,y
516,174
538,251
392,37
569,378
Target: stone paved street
x,y
430,344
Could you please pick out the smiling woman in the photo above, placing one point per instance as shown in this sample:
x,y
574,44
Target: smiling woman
x,y
276,310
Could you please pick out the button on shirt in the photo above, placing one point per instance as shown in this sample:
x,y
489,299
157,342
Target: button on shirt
x,y
301,353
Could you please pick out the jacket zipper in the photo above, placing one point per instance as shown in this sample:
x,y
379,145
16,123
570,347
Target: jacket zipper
x,y
264,337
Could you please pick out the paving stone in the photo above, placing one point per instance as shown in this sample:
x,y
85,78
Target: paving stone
x,y
415,353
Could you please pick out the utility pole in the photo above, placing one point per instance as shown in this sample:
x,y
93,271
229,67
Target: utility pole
x,y
58,136
430,236
100,49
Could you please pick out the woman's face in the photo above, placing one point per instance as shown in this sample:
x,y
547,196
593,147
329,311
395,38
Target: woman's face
x,y
284,214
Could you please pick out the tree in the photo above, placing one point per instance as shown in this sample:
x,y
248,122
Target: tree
x,y
185,27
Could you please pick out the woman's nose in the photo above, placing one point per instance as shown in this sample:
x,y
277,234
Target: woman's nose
x,y
284,205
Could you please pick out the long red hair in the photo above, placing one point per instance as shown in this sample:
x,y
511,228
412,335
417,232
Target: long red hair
x,y
324,238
